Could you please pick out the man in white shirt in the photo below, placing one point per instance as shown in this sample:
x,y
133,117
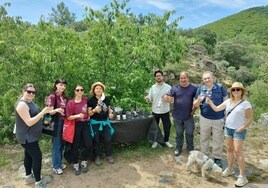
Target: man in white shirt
x,y
160,108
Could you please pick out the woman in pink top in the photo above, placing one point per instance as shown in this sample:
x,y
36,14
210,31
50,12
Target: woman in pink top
x,y
77,110
58,100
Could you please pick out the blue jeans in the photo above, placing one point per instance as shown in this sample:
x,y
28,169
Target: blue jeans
x,y
57,146
180,126
235,135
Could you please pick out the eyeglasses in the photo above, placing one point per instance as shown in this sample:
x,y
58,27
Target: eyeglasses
x,y
77,90
237,89
30,92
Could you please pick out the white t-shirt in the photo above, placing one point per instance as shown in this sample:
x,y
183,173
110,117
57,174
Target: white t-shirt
x,y
155,94
237,117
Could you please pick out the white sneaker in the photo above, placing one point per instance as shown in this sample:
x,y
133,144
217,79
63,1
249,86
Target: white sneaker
x,y
169,144
29,179
241,181
40,184
227,172
84,166
154,145
177,152
63,166
58,171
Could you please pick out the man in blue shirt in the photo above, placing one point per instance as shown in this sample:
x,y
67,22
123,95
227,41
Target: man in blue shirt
x,y
183,94
211,121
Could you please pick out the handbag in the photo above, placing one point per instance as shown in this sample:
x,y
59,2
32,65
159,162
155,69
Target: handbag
x,y
68,128
50,122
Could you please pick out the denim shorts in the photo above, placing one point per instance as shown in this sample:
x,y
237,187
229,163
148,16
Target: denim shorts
x,y
235,135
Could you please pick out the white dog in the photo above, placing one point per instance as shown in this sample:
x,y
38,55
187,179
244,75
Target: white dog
x,y
203,162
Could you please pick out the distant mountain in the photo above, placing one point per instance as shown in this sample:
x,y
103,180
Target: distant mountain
x,y
250,24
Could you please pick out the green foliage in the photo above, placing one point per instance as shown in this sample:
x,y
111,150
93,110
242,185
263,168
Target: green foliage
x,y
259,97
243,74
61,16
208,38
250,24
127,48
233,52
263,74
79,26
119,49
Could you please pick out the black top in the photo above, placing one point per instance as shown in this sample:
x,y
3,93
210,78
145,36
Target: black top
x,y
104,114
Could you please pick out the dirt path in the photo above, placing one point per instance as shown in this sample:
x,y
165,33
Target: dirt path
x,y
152,170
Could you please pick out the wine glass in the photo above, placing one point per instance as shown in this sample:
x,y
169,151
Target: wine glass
x,y
48,101
202,94
209,93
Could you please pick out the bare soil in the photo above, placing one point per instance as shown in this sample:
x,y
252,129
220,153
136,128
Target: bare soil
x,y
156,169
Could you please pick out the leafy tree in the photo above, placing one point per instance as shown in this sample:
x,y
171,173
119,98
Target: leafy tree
x,y
62,16
244,75
251,23
263,72
127,48
116,49
79,26
233,52
208,37
258,97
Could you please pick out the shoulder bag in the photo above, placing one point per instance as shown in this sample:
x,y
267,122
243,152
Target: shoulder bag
x,y
234,108
69,127
50,122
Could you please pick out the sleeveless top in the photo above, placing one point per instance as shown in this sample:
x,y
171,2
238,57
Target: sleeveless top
x,y
24,133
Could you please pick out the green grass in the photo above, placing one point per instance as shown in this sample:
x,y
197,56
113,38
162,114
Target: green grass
x,y
10,154
4,159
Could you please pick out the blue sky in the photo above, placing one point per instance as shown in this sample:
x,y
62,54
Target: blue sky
x,y
195,12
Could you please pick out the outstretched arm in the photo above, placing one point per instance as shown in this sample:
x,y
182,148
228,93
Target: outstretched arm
x,y
221,107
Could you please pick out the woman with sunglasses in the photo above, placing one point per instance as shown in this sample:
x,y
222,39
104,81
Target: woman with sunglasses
x,y
58,100
28,132
77,110
100,111
239,117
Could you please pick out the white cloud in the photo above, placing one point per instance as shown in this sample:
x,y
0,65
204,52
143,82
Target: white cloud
x,y
233,4
86,3
159,4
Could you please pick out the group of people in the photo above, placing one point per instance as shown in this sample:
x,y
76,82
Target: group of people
x,y
92,125
219,116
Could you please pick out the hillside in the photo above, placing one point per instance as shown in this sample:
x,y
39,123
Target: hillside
x,y
250,24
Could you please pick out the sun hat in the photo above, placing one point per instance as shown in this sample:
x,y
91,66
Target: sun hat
x,y
237,85
94,85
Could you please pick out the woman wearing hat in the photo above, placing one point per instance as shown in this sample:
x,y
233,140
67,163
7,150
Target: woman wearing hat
x,y
100,111
239,117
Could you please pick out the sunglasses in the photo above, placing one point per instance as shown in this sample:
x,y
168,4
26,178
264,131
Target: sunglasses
x,y
77,90
30,92
237,89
